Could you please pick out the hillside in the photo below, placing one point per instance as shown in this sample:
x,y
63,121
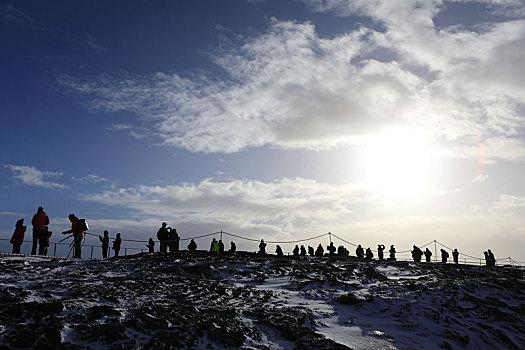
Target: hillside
x,y
170,302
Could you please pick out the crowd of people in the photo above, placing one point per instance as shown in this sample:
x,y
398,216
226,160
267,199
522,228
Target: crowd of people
x,y
169,242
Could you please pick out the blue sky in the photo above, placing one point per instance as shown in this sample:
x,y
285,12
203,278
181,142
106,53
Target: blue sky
x,y
394,122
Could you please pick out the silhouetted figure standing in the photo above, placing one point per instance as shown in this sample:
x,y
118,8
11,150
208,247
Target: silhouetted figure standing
x,y
416,253
279,251
303,250
359,252
380,250
392,253
192,246
331,249
39,222
428,255
492,259
342,251
151,246
262,248
78,235
369,254
233,248
45,244
311,251
319,251
116,244
444,256
173,240
18,236
214,248
221,247
295,251
105,243
163,236
455,256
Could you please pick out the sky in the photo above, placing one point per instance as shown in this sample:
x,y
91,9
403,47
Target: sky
x,y
381,121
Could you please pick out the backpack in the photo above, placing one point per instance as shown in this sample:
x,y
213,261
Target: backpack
x,y
83,225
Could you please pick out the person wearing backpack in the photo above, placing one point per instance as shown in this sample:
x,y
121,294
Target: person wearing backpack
x,y
78,235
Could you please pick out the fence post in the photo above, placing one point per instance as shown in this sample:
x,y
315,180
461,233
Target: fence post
x,y
91,252
125,251
55,250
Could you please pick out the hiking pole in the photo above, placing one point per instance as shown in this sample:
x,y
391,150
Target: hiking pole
x,y
65,238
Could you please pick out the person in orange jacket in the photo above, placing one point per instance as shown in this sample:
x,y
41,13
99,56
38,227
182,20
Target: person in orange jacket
x,y
78,235
39,222
18,236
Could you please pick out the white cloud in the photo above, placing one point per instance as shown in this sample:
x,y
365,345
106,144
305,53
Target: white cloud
x,y
290,88
31,176
297,203
91,178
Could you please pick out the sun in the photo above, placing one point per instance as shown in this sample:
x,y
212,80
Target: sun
x,y
398,162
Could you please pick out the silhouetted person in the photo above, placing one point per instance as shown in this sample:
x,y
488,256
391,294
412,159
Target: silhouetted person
x,y
359,252
416,253
455,256
233,248
303,250
331,249
444,256
319,251
163,236
39,222
221,247
214,247
105,243
380,250
295,251
279,251
392,253
369,255
192,246
18,236
45,244
342,251
262,248
311,251
428,255
151,246
116,244
174,240
78,235
492,259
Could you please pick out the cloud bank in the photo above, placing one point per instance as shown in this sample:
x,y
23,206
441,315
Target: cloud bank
x,y
290,88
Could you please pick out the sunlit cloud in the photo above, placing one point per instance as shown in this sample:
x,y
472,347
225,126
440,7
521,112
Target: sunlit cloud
x,y
290,88
31,176
288,203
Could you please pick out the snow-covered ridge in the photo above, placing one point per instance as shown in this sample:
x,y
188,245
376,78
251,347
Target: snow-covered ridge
x,y
245,301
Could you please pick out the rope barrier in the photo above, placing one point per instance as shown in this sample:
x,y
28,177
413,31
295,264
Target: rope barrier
x,y
480,259
276,242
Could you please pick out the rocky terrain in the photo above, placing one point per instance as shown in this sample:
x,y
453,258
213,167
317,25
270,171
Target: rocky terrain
x,y
250,302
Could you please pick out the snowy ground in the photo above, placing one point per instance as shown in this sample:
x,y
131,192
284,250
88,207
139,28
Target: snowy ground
x,y
168,301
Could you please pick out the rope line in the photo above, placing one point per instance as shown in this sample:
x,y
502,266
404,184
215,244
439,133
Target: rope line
x,y
519,263
276,242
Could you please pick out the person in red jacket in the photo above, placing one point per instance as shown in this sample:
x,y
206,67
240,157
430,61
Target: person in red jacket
x,y
78,235
18,236
39,222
